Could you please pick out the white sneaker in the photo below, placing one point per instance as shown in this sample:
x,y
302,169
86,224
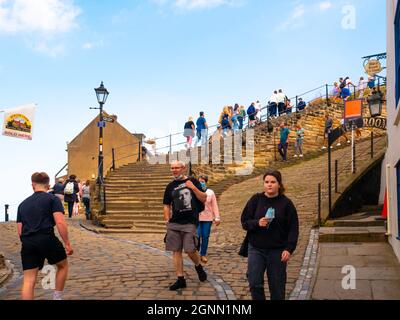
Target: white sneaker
x,y
338,145
323,148
331,147
301,156
295,155
348,141
57,295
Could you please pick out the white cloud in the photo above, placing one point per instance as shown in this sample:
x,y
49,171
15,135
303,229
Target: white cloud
x,y
189,5
50,50
38,16
92,45
295,19
298,12
325,5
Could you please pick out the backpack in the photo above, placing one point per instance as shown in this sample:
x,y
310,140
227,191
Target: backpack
x,y
251,110
69,188
343,84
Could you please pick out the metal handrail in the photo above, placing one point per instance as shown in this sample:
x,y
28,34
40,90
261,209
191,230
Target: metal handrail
x,y
262,119
55,176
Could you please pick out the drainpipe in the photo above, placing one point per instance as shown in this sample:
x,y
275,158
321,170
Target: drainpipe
x,y
388,199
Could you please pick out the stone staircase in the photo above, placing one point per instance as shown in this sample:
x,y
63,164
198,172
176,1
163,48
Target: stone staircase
x,y
363,226
134,192
134,195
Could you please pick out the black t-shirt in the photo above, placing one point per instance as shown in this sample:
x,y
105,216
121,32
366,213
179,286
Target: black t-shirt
x,y
58,188
36,213
189,124
282,232
185,206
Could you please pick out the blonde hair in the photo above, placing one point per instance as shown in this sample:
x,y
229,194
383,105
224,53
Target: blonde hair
x,y
190,119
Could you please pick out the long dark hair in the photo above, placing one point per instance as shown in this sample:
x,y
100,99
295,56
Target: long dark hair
x,y
277,175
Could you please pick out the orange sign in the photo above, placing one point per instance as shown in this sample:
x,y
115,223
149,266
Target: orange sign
x,y
353,109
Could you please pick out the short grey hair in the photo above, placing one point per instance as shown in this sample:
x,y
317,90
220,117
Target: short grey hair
x,y
178,162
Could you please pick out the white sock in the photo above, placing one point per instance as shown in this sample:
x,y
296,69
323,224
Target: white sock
x,y
57,295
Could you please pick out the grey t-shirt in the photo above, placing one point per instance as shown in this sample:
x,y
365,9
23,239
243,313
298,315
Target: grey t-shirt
x,y
86,192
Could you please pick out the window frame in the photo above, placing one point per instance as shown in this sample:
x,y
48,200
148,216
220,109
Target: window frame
x,y
397,53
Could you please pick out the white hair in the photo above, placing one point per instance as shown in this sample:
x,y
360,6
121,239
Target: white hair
x,y
178,162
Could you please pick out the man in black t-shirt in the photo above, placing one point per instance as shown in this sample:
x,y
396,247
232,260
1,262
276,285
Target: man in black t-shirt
x,y
36,218
183,201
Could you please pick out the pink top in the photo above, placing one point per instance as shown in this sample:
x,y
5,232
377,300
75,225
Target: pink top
x,y
211,210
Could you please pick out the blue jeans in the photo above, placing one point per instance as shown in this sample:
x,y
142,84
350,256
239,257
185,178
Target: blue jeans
x,y
266,260
240,119
272,110
201,136
86,202
203,231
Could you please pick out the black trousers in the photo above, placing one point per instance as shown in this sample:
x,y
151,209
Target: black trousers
x,y
269,261
70,208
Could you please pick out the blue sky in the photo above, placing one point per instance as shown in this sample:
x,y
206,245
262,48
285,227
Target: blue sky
x,y
162,61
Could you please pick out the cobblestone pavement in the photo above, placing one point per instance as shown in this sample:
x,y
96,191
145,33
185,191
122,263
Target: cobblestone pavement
x,y
103,268
135,266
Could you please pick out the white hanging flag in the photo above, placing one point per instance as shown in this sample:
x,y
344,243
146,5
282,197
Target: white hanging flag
x,y
18,122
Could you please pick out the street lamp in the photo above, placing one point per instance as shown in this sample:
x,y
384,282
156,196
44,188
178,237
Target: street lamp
x,y
375,103
102,94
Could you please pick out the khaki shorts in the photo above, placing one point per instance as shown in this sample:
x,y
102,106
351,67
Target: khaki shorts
x,y
181,237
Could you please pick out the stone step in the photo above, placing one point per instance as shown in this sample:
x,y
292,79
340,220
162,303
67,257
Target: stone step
x,y
134,186
134,222
138,200
134,197
372,208
352,234
136,193
128,212
361,219
150,226
142,206
128,231
134,217
148,170
139,173
136,180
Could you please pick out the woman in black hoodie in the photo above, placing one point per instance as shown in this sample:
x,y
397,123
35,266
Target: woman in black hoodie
x,y
273,229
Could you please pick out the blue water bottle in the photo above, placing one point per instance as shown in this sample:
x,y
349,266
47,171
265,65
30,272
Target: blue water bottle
x,y
270,215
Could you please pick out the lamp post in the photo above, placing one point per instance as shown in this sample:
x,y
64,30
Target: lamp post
x,y
102,94
375,103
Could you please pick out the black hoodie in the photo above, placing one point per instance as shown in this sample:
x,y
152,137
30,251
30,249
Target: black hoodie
x,y
281,233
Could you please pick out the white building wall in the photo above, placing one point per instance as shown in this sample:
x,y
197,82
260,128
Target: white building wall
x,y
393,130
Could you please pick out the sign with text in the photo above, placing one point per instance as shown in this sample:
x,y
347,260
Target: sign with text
x,y
101,124
373,67
376,122
18,122
108,119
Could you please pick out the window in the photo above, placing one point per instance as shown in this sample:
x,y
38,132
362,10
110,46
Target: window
x,y
397,52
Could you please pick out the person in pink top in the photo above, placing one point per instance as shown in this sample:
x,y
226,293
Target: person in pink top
x,y
206,218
